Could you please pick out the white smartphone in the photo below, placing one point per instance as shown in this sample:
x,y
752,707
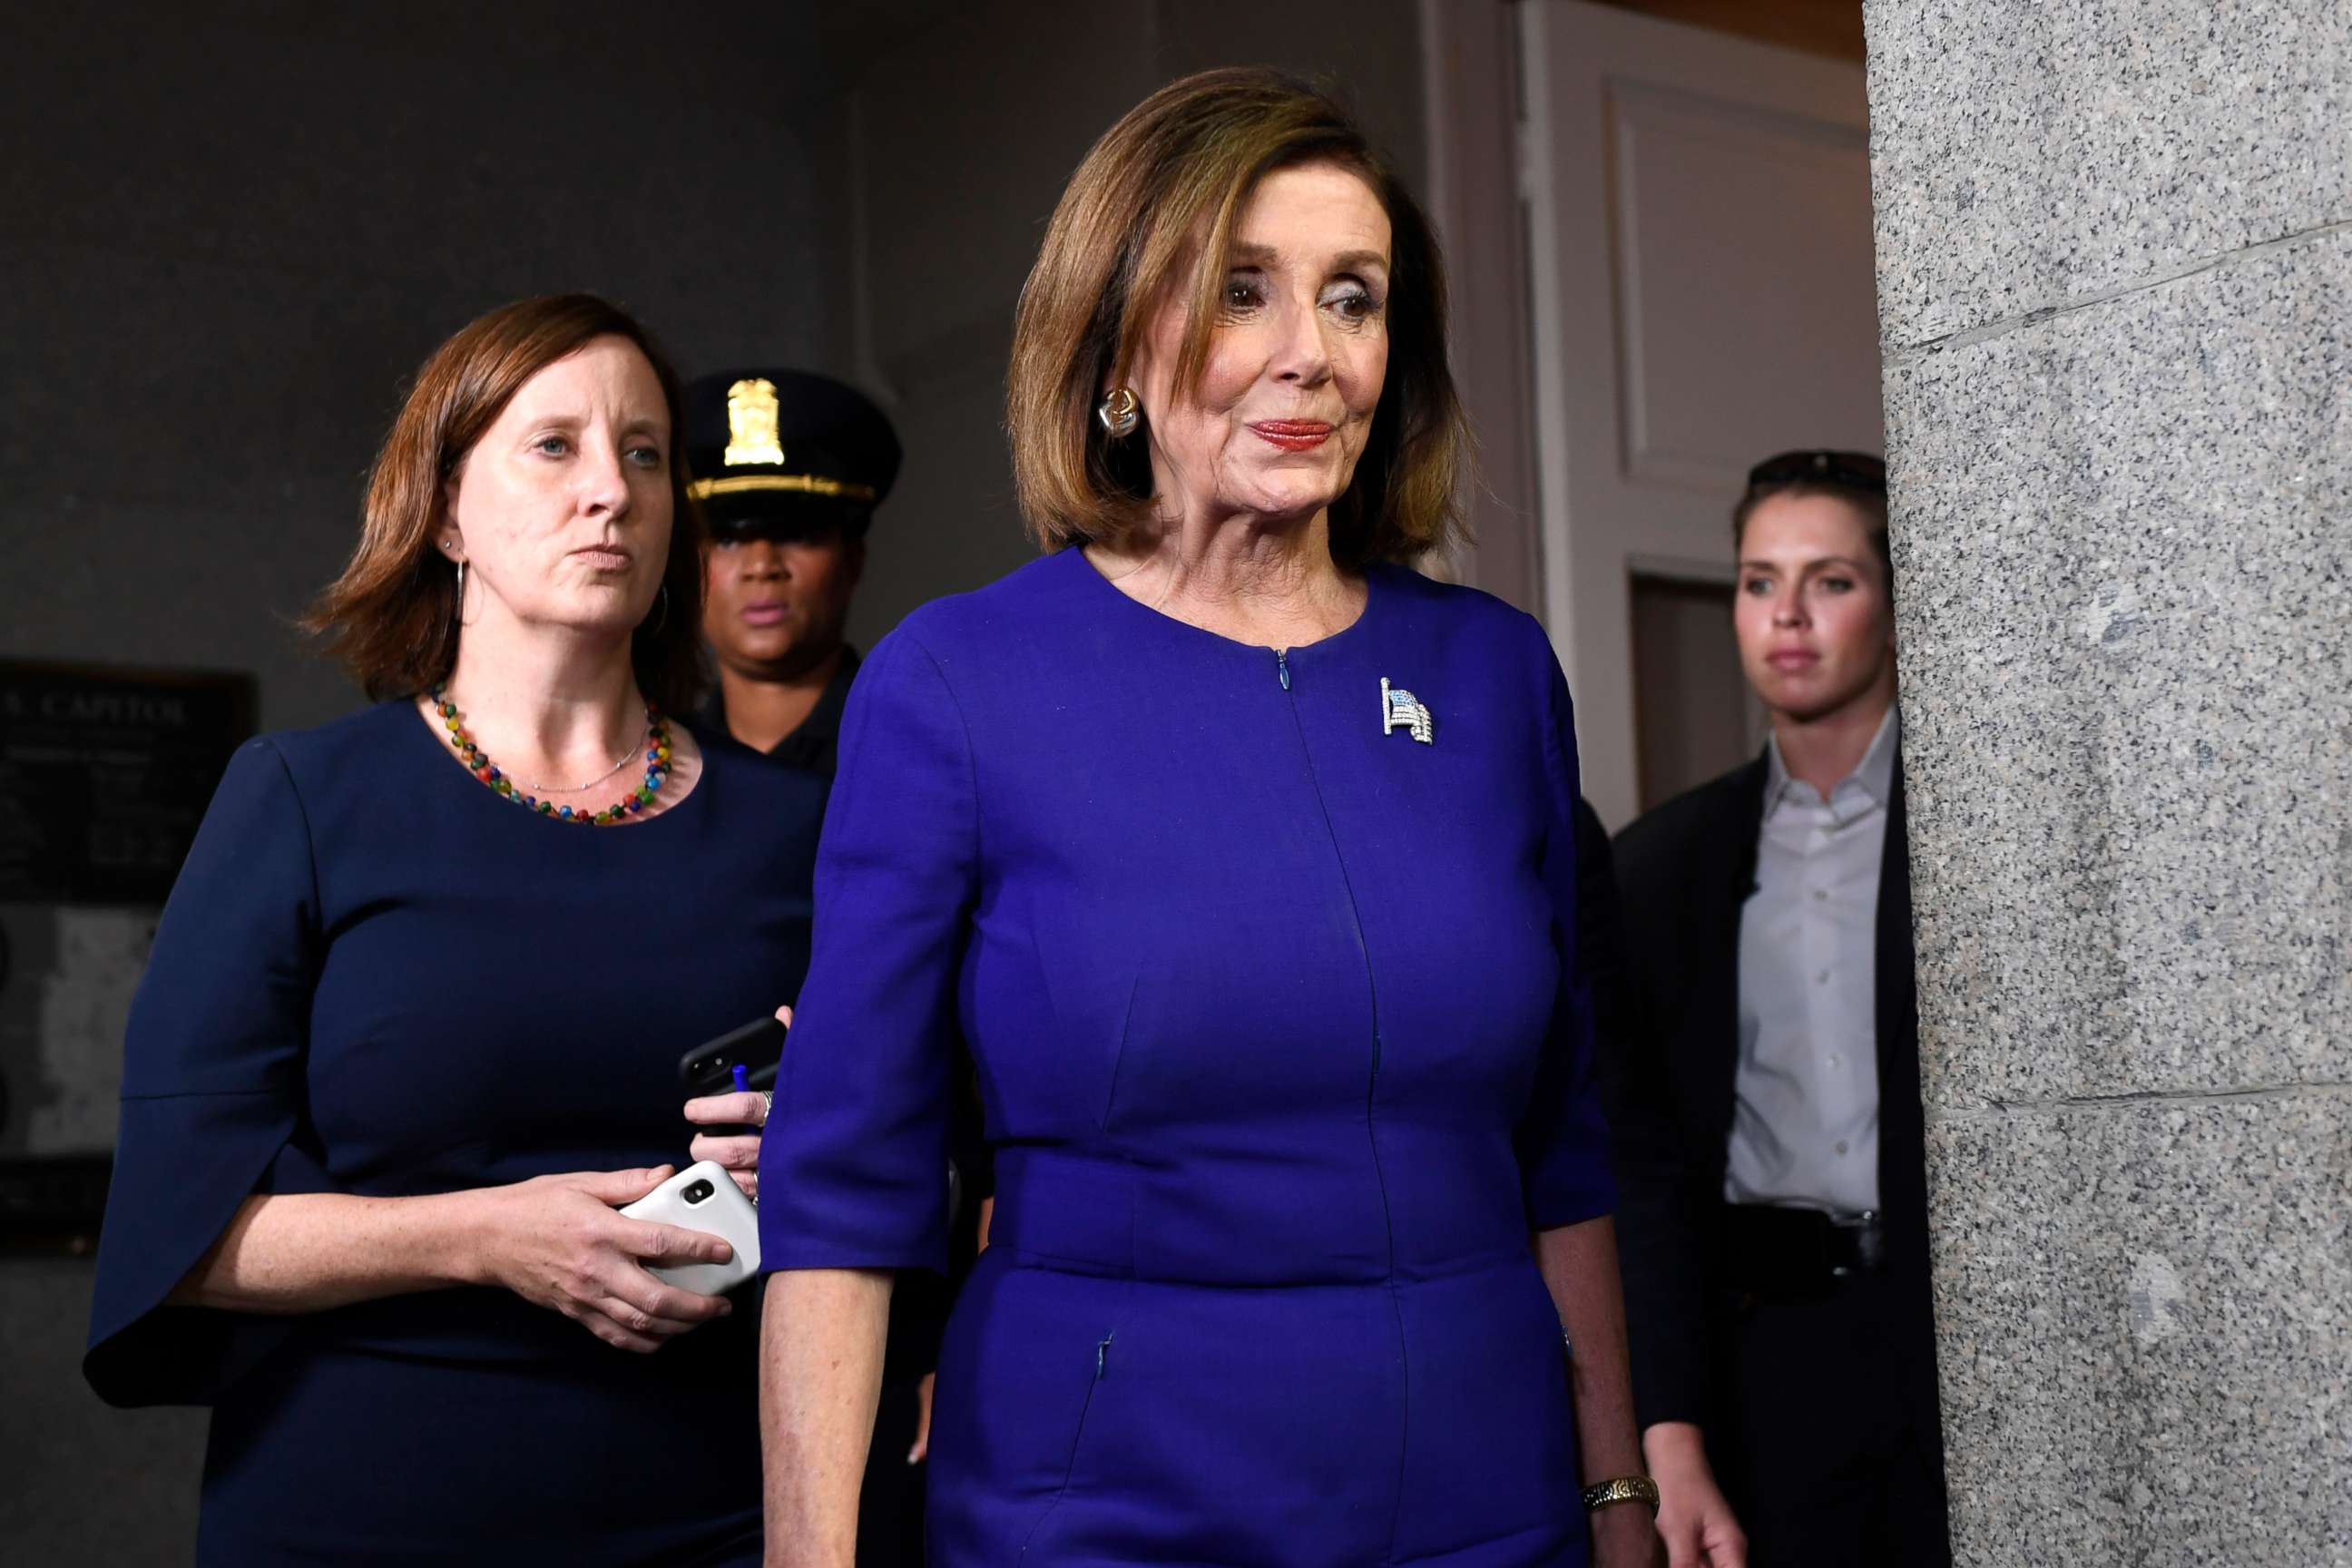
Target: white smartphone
x,y
704,1197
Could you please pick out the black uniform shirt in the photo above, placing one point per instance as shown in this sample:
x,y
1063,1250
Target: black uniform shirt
x,y
919,1306
814,742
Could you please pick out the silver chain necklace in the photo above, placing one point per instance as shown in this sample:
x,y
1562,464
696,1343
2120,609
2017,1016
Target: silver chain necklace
x,y
627,758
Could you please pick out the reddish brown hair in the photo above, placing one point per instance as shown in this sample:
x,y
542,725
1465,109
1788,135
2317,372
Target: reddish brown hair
x,y
392,616
1167,185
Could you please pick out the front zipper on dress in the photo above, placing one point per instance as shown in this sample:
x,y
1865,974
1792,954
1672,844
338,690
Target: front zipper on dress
x,y
1372,1079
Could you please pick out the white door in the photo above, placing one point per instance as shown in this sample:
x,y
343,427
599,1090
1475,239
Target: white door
x,y
1703,288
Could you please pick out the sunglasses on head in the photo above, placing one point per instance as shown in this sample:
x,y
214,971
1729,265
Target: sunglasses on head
x,y
1855,471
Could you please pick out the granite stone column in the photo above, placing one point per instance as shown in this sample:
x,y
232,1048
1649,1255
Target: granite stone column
x,y
2115,269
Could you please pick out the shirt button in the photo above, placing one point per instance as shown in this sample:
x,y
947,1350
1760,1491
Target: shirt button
x,y
1841,1146
1836,1062
1822,978
1820,895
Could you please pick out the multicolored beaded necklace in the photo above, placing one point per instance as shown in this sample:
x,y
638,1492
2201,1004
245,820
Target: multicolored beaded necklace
x,y
479,762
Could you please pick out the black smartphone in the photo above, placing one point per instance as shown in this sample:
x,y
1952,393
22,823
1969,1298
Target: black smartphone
x,y
709,1067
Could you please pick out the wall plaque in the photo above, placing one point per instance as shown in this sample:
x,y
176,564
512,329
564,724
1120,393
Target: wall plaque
x,y
104,776
105,773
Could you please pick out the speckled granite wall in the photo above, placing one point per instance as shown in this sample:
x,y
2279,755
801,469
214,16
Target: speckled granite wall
x,y
2115,254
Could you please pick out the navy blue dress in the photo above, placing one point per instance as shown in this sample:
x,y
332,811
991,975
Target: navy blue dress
x,y
376,977
1282,1059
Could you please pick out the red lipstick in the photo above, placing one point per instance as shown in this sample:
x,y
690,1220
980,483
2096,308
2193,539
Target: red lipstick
x,y
1293,435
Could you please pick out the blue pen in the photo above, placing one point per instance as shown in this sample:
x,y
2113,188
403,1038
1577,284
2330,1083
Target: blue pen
x,y
743,1086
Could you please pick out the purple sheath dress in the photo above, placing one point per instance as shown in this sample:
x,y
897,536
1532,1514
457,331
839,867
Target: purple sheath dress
x,y
1280,1060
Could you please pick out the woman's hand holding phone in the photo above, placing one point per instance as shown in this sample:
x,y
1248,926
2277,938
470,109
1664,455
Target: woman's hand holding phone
x,y
739,1152
558,1243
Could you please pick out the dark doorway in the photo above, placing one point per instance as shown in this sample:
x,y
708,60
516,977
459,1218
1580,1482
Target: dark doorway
x,y
1693,717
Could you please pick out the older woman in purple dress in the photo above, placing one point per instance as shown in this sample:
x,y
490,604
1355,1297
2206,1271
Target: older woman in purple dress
x,y
1242,859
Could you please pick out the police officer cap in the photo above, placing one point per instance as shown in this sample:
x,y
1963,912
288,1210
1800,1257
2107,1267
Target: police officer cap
x,y
782,454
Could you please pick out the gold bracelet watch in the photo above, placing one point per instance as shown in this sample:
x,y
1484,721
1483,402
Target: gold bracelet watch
x,y
1624,1489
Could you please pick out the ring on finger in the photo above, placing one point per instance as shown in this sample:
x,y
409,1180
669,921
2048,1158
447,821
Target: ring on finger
x,y
767,1104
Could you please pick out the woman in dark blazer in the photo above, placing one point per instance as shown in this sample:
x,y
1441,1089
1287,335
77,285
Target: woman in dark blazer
x,y
1243,857
410,1033
1766,1055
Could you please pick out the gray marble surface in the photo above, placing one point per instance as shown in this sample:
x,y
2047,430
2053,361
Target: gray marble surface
x,y
2123,539
2114,248
2142,1313
2031,153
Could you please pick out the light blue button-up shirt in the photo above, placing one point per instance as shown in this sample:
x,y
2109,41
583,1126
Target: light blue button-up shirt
x,y
1804,1125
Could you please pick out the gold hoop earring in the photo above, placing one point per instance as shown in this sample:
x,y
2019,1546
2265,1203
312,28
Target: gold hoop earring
x,y
1120,413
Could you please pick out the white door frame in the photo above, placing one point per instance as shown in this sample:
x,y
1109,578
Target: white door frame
x,y
1530,273
1468,53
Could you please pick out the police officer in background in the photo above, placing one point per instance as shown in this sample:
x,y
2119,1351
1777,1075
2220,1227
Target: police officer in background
x,y
788,468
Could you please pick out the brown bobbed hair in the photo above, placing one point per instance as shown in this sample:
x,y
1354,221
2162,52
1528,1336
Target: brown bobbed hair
x,y
392,616
1163,189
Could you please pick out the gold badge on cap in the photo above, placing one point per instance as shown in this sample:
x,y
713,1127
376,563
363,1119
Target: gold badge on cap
x,y
752,423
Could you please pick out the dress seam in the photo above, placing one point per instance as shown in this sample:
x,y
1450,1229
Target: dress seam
x,y
318,920
313,932
1077,1437
970,752
309,839
1371,1133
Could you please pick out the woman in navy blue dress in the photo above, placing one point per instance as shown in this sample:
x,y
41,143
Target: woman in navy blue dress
x,y
408,1040
1242,859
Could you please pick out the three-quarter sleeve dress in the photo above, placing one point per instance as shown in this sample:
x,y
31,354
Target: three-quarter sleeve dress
x,y
375,976
1272,1002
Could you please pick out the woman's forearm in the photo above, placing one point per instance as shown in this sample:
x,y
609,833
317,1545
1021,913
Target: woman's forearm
x,y
305,1252
821,1340
1580,1269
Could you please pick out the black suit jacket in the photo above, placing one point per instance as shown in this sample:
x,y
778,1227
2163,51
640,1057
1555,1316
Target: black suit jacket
x,y
1667,1017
